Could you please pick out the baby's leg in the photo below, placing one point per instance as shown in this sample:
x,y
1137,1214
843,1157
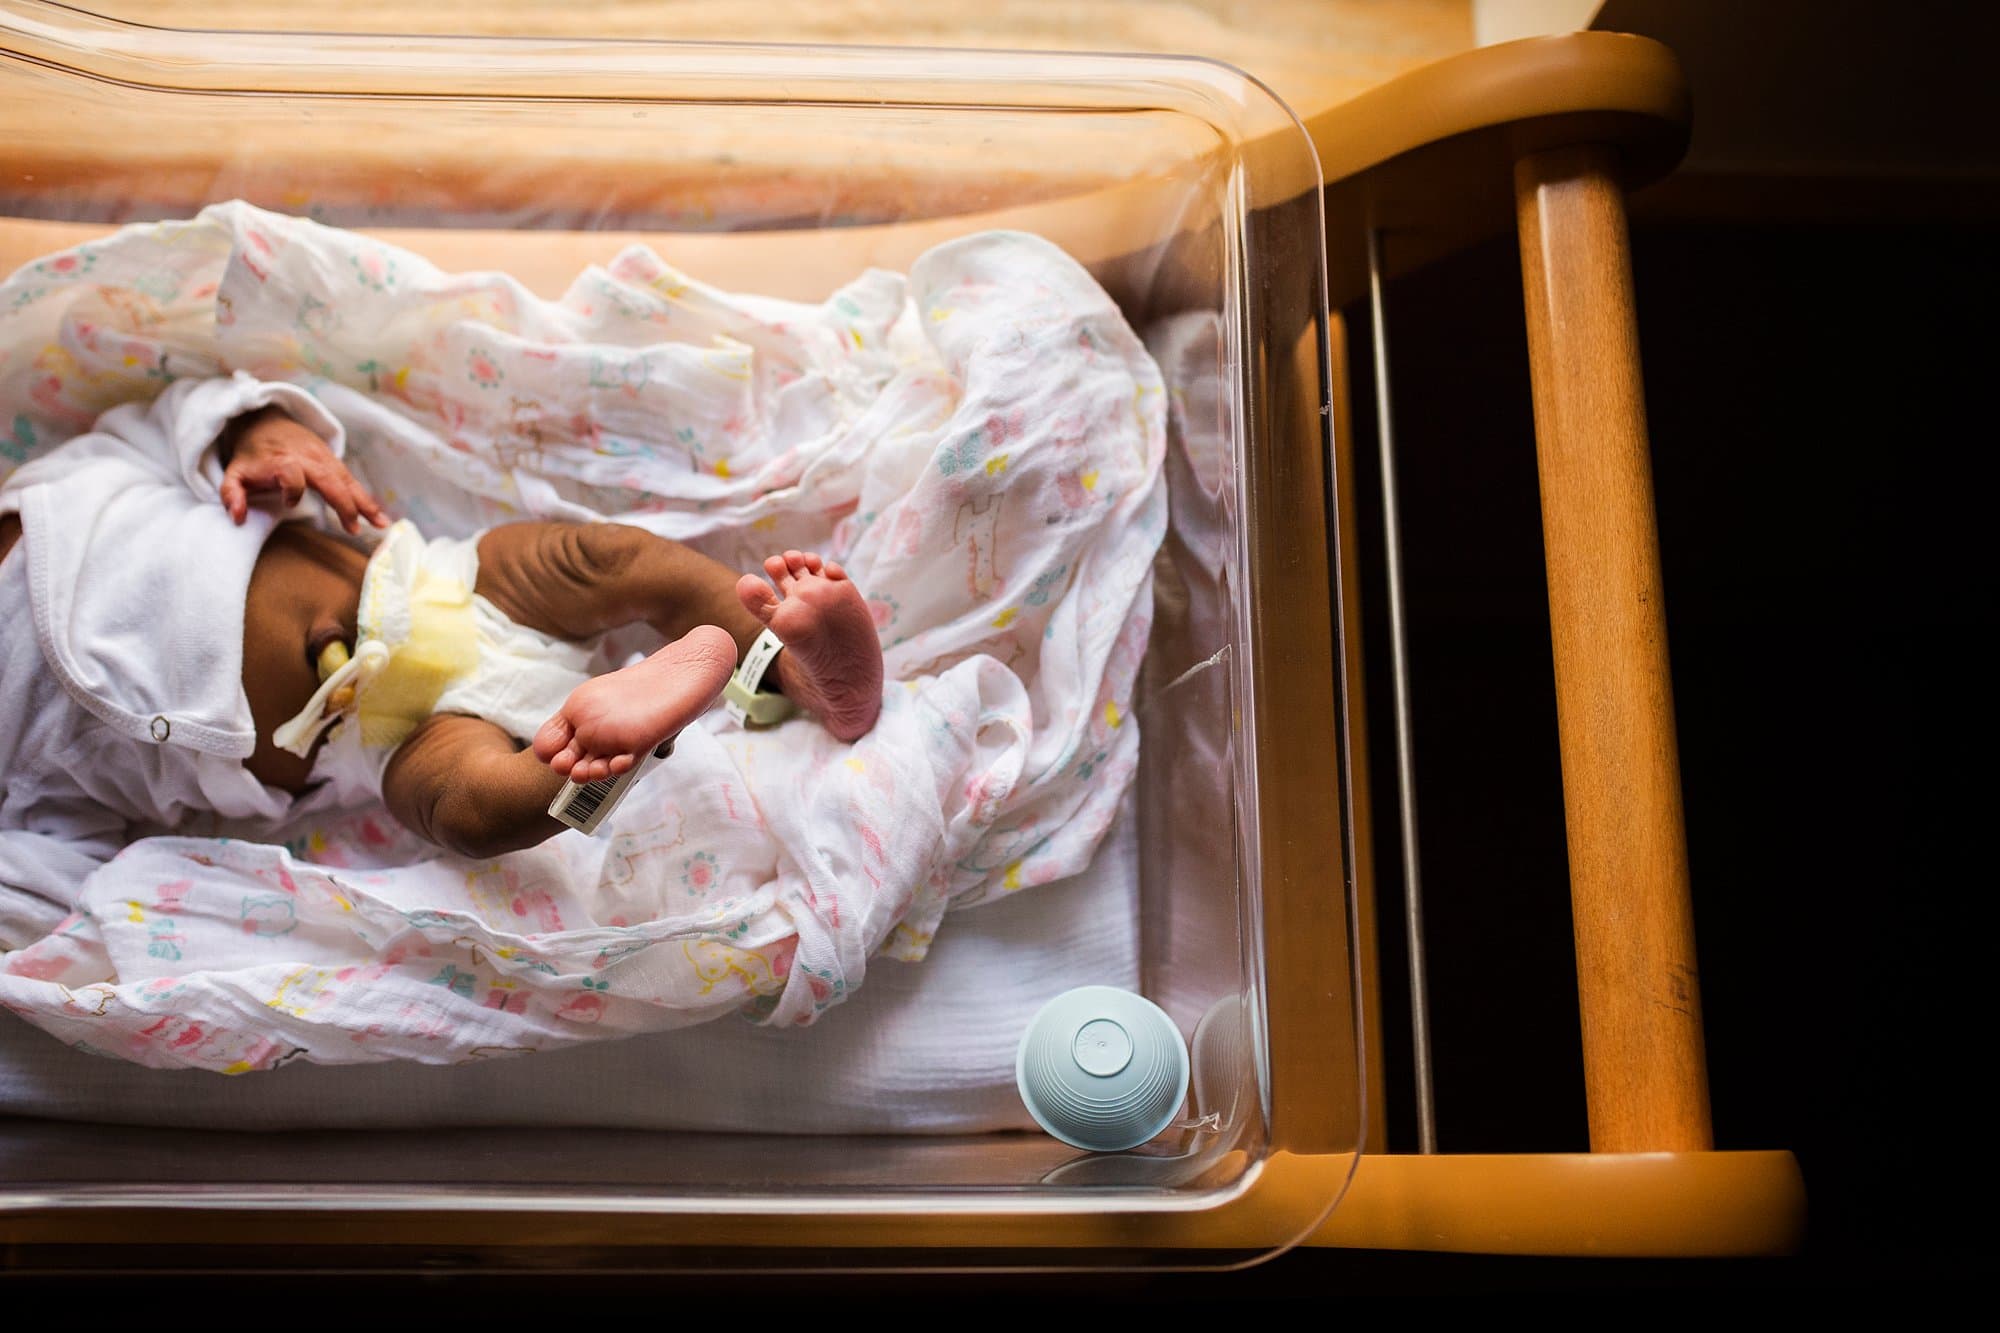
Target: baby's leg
x,y
575,580
465,785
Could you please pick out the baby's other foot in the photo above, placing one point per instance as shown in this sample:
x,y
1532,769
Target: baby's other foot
x,y
607,723
832,663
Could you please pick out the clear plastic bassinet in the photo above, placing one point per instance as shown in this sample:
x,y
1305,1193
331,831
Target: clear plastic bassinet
x,y
1183,185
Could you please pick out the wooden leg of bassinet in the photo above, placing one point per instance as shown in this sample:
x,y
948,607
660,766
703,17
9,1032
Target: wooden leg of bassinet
x,y
1645,1076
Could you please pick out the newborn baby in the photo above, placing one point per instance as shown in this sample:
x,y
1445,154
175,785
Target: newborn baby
x,y
468,729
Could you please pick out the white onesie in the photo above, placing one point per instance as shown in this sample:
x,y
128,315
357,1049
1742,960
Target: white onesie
x,y
125,707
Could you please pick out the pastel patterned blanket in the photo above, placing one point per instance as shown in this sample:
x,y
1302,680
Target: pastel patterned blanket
x,y
980,444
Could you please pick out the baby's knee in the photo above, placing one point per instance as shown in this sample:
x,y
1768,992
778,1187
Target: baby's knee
x,y
561,578
594,554
577,555
463,824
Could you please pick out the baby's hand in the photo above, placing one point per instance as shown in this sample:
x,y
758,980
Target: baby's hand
x,y
268,451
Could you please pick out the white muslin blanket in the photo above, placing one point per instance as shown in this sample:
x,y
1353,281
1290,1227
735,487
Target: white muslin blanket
x,y
980,443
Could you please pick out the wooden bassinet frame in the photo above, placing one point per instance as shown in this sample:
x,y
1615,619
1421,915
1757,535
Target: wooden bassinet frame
x,y
1549,135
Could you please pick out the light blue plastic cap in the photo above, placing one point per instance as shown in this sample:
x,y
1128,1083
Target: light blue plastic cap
x,y
1102,1069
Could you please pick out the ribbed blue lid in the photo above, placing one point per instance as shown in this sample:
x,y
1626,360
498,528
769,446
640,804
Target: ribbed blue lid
x,y
1102,1069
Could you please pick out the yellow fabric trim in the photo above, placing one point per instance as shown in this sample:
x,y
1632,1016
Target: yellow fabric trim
x,y
443,645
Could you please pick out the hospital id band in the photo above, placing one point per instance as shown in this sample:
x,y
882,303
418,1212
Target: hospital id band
x,y
585,805
742,697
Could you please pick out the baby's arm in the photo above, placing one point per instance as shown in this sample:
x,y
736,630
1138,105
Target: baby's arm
x,y
463,783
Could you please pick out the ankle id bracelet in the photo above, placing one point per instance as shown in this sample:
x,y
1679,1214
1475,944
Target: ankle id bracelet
x,y
743,697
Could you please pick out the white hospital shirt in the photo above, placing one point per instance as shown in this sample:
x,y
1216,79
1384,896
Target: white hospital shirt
x,y
122,709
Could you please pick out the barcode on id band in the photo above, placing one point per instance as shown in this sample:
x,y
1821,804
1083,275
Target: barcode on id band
x,y
583,806
587,798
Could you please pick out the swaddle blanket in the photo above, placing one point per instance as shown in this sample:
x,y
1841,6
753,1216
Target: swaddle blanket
x,y
980,444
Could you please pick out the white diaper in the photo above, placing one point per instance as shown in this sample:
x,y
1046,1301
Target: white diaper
x,y
428,643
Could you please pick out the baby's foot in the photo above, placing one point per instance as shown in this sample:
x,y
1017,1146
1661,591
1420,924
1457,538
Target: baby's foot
x,y
832,663
608,722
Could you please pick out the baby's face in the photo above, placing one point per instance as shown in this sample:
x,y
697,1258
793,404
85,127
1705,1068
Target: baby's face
x,y
304,594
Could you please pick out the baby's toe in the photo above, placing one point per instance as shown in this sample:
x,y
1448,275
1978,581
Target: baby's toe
x,y
756,596
553,736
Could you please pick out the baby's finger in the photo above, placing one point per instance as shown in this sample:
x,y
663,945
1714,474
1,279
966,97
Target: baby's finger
x,y
233,498
256,474
292,480
349,512
366,503
337,489
354,502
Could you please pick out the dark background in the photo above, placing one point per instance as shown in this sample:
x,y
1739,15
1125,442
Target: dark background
x,y
1816,300
1815,395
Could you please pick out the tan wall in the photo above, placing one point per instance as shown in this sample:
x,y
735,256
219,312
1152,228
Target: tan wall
x,y
1508,20
1312,52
